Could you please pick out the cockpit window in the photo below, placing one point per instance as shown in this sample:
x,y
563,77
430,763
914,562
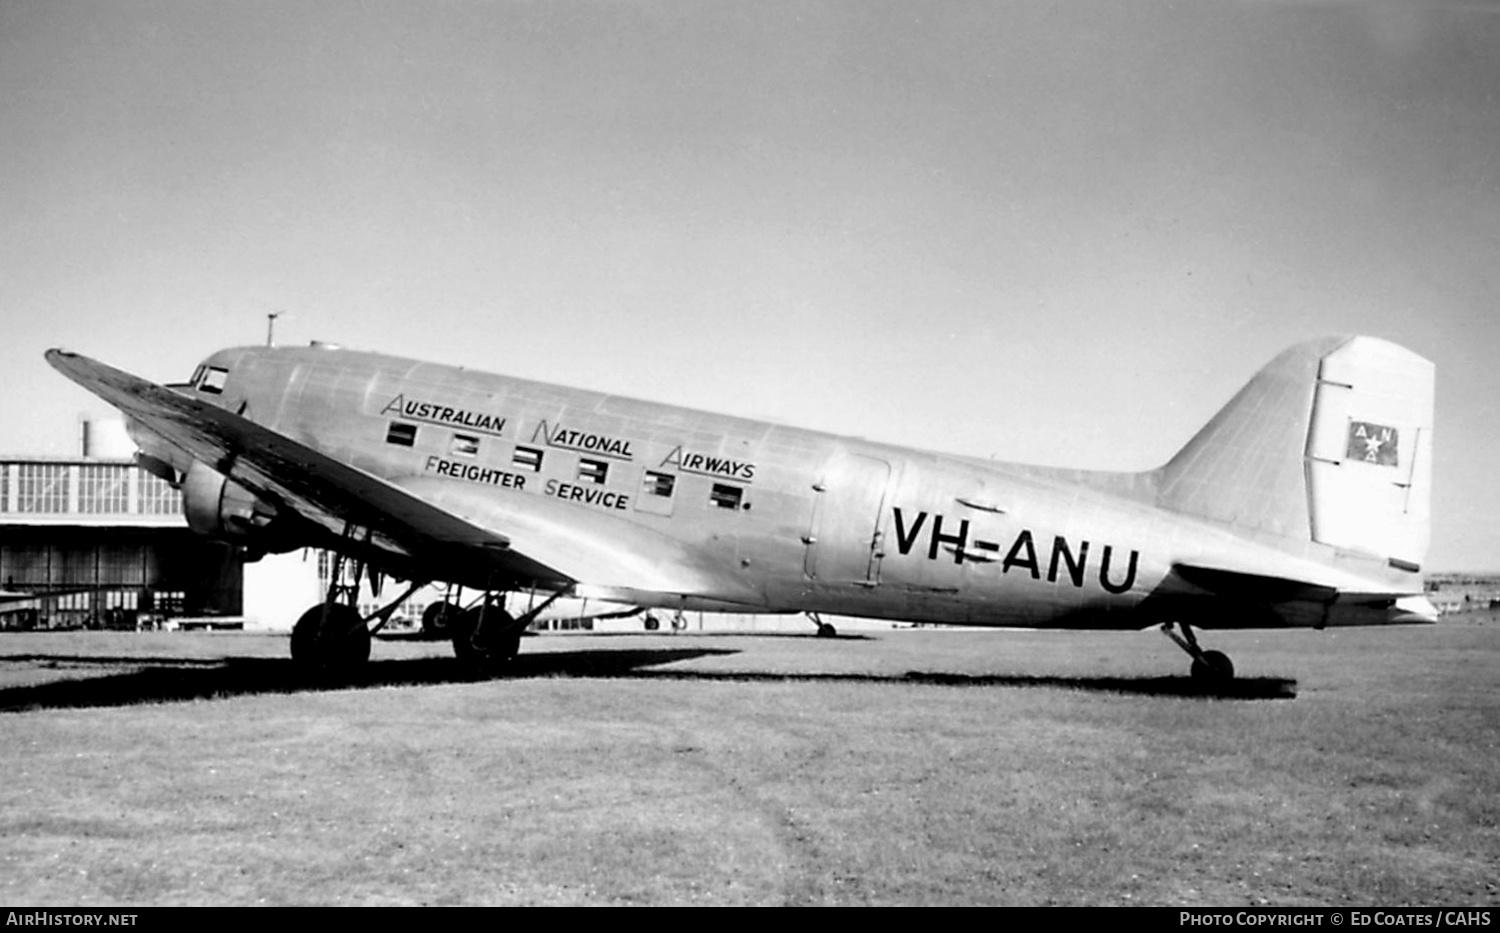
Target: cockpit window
x,y
213,379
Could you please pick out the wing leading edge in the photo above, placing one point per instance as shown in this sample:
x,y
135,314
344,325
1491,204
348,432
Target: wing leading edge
x,y
294,476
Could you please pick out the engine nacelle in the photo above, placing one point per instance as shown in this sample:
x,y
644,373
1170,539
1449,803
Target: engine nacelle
x,y
219,507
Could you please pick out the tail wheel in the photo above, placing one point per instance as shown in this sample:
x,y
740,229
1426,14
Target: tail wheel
x,y
330,638
485,639
1208,666
1213,667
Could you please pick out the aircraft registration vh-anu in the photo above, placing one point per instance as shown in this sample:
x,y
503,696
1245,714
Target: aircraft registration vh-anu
x,y
1303,502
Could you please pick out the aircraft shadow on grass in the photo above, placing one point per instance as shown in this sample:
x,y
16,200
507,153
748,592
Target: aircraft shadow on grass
x,y
136,680
1258,688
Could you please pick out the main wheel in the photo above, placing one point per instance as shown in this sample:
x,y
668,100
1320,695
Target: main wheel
x,y
1214,668
826,630
330,638
485,649
437,618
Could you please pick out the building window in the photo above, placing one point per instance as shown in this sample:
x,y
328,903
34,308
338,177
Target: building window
x,y
42,487
122,599
464,445
658,484
401,434
528,458
72,602
593,471
103,488
725,496
157,497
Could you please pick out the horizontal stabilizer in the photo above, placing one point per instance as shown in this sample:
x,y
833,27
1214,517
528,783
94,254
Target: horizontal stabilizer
x,y
1219,598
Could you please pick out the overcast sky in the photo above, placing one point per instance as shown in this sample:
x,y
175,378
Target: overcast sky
x,y
1060,233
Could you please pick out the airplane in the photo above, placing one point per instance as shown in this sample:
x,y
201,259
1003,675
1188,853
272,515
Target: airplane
x,y
1303,503
11,601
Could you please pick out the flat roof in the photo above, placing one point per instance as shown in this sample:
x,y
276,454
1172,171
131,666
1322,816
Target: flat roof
x,y
90,520
7,459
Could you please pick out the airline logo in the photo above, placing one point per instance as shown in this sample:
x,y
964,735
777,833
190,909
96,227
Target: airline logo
x,y
1372,443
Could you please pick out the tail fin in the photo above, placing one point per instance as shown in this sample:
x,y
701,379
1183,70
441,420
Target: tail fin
x,y
1331,443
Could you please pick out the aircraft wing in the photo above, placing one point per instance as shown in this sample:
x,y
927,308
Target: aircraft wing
x,y
464,536
292,475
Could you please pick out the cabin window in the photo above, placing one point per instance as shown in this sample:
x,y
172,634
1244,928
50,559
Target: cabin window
x,y
402,434
593,471
725,496
464,445
658,484
214,379
528,458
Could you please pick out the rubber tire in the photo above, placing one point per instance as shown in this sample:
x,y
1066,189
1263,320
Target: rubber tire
x,y
1214,668
490,653
339,645
826,630
438,618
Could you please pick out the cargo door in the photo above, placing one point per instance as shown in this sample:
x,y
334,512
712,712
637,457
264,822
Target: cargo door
x,y
845,541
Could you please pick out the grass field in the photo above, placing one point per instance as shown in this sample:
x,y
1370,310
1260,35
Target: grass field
x,y
1353,767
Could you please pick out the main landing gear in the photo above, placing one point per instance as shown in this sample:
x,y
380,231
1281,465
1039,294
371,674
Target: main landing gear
x,y
485,637
1208,666
332,638
438,618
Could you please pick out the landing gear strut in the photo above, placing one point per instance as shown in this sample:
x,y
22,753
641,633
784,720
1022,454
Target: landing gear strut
x,y
1208,666
825,629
